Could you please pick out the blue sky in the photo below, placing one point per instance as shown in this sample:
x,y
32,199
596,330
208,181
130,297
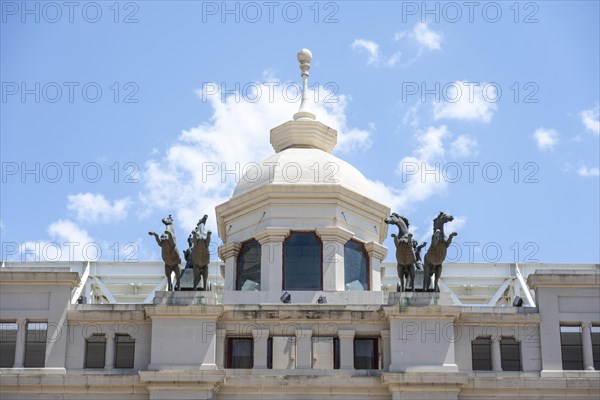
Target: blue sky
x,y
500,101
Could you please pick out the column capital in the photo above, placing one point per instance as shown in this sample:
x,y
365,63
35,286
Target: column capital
x,y
376,250
304,333
272,235
385,334
346,333
260,334
334,234
587,325
229,249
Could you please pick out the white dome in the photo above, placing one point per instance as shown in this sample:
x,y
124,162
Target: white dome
x,y
302,166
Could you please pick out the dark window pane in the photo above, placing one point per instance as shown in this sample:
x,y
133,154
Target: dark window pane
x,y
241,353
248,267
302,262
365,354
35,345
8,344
336,353
95,350
270,353
356,266
596,346
481,354
571,350
511,355
124,351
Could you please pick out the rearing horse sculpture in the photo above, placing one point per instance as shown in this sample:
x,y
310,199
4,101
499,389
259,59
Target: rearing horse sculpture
x,y
201,253
405,255
436,254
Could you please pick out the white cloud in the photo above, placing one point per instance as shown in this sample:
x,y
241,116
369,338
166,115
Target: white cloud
x,y
425,37
90,207
591,119
463,146
467,101
545,139
585,171
191,178
65,230
376,58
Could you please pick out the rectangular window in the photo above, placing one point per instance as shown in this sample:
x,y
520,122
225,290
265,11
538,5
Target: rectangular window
x,y
35,344
322,352
95,350
366,353
8,344
270,353
240,353
481,354
596,346
124,350
570,346
511,354
336,353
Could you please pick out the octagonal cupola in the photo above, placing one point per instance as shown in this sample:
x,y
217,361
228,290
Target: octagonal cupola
x,y
302,221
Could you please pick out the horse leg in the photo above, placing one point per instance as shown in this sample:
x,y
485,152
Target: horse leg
x,y
205,277
168,275
426,269
438,273
411,270
177,277
196,277
400,271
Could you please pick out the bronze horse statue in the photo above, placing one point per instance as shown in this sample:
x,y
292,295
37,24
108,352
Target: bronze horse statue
x,y
201,253
436,254
405,255
169,252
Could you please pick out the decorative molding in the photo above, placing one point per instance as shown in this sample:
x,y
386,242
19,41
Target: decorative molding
x,y
376,250
230,249
334,234
272,235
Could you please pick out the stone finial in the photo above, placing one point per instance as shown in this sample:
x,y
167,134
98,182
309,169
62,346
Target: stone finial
x,y
304,58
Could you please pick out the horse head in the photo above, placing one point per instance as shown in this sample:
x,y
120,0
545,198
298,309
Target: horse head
x,y
167,220
440,220
400,221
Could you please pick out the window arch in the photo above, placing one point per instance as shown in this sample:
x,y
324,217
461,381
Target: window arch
x,y
302,262
356,266
248,266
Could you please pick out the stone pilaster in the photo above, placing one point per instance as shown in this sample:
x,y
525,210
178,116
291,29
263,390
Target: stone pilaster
x,y
109,360
20,345
496,354
586,346
271,271
346,348
303,349
261,338
386,349
376,254
228,252
334,238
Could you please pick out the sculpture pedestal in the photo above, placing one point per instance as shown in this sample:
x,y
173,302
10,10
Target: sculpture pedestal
x,y
187,279
419,299
189,298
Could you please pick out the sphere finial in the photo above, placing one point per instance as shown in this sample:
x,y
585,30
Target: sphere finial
x,y
304,58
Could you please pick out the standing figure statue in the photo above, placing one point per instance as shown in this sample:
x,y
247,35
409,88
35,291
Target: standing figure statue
x,y
170,253
187,254
201,253
417,249
405,255
436,254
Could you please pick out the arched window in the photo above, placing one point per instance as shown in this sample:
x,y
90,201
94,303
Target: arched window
x,y
302,262
356,266
248,266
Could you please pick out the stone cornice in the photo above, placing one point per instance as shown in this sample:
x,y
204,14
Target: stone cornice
x,y
334,234
558,278
191,311
435,312
272,235
376,250
41,276
230,249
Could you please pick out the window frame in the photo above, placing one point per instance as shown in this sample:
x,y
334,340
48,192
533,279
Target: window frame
x,y
595,333
238,258
229,349
8,354
487,345
28,343
374,358
87,350
366,255
570,348
118,344
283,254
505,359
